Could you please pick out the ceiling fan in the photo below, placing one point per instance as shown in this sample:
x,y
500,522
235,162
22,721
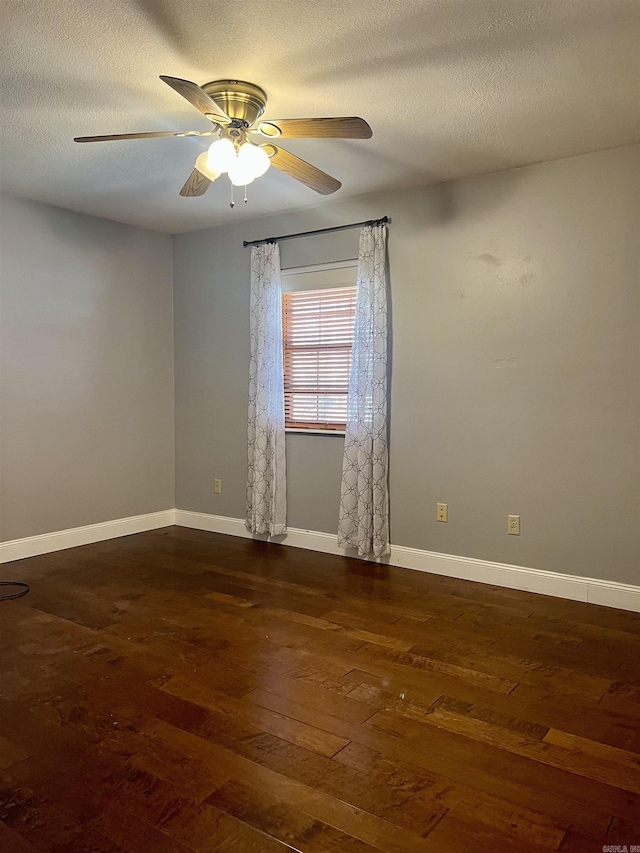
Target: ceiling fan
x,y
235,109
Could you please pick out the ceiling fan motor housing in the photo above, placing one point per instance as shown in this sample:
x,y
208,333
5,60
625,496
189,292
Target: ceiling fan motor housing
x,y
242,101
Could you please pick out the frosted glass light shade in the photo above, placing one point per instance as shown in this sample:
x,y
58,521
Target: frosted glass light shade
x,y
255,159
239,174
202,165
221,155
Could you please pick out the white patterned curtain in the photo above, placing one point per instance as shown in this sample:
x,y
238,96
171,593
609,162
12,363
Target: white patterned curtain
x,y
266,478
364,497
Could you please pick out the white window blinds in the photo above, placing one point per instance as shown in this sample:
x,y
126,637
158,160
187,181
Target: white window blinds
x,y
318,333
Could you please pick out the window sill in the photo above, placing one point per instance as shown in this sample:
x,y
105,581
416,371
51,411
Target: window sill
x,y
299,431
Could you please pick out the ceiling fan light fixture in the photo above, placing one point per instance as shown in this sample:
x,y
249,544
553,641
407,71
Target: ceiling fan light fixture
x,y
235,108
240,175
202,165
254,159
221,155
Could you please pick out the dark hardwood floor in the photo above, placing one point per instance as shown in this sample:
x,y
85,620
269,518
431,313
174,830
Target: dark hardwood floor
x,y
179,691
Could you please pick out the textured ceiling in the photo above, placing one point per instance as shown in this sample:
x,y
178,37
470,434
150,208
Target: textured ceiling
x,y
450,88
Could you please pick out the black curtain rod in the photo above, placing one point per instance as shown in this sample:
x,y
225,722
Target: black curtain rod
x,y
381,221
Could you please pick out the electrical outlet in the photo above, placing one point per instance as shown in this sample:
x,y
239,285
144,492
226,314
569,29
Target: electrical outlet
x,y
514,525
442,512
217,486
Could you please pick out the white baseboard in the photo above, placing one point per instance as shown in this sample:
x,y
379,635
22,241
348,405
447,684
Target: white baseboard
x,y
31,546
592,590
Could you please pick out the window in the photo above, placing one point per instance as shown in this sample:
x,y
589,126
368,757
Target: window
x,y
317,332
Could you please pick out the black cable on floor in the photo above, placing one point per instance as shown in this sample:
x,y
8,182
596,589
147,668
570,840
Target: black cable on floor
x,y
22,592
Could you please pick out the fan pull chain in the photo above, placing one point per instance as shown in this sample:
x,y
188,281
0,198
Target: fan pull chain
x,y
232,203
245,194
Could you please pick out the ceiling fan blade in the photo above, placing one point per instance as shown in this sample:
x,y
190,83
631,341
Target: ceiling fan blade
x,y
346,127
196,184
152,135
198,98
301,170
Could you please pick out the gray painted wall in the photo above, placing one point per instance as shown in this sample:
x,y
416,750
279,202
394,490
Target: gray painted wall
x,y
86,370
515,389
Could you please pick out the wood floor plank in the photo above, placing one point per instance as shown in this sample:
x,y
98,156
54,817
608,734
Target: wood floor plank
x,y
37,820
486,815
10,753
261,719
11,841
363,790
400,662
544,751
540,785
282,822
185,692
